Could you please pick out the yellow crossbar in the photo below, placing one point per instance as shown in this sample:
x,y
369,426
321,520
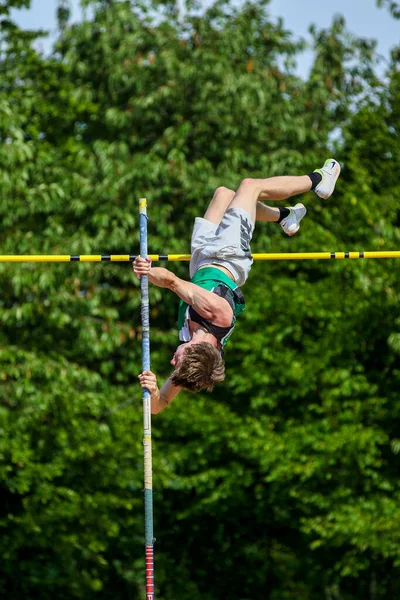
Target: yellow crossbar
x,y
36,258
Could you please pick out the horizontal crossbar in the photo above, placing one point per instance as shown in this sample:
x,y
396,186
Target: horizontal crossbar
x,y
15,258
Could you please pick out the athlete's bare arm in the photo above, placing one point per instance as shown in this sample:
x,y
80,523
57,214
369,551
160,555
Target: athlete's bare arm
x,y
210,306
160,398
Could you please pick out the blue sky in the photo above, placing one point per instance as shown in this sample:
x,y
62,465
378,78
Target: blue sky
x,y
362,17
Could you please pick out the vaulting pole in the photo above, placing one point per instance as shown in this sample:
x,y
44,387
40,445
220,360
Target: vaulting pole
x,y
22,258
148,470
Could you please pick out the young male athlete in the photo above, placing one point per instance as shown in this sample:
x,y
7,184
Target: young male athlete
x,y
219,266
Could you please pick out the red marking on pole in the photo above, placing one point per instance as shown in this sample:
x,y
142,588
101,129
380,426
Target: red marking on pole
x,y
149,573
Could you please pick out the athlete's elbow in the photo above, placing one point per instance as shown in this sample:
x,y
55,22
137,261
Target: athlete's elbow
x,y
223,317
226,322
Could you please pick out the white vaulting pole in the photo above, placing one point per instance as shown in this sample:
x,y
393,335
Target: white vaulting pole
x,y
148,469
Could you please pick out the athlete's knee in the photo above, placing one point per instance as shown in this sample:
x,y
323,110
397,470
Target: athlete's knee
x,y
249,186
249,181
223,191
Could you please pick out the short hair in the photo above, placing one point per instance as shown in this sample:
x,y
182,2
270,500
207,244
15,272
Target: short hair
x,y
200,368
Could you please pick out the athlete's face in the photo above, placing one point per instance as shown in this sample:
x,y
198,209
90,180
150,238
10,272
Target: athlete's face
x,y
179,352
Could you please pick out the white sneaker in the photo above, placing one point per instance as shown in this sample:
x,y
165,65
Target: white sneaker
x,y
291,223
330,172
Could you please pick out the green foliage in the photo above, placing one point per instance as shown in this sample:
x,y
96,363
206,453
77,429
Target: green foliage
x,y
283,484
392,5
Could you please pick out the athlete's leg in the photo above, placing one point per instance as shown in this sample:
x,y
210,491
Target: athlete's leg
x,y
273,188
223,197
267,213
220,201
251,191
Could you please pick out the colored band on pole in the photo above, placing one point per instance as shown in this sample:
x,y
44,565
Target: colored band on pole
x,y
148,469
37,258
143,206
149,573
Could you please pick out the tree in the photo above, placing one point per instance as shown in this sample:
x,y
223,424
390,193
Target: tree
x,y
284,483
392,6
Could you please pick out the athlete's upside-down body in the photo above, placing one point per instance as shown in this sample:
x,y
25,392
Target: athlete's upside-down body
x,y
219,266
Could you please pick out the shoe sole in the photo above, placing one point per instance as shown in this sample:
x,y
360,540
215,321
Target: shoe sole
x,y
298,226
293,232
